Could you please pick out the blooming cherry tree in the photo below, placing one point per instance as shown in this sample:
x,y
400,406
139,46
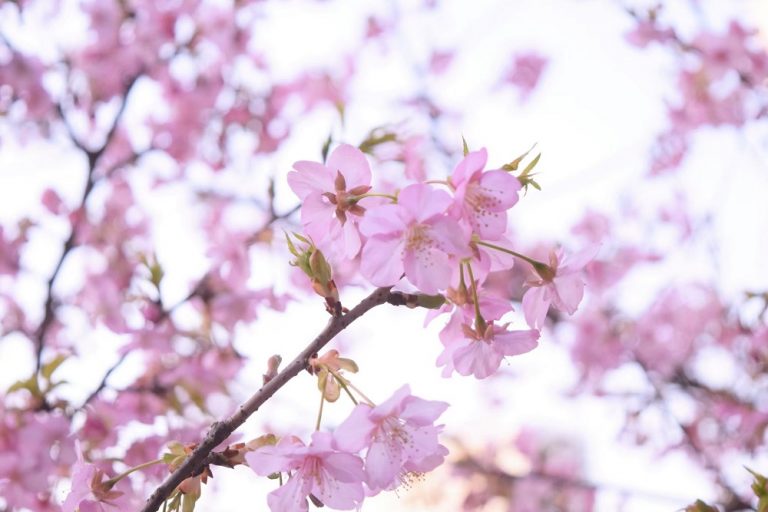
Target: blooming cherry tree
x,y
157,259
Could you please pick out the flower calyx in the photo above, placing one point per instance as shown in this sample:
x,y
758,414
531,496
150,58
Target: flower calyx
x,y
313,263
328,369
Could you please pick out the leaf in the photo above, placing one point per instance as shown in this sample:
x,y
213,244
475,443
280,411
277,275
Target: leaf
x,y
50,367
375,137
291,247
531,165
700,506
29,384
188,501
513,165
760,489
156,273
464,145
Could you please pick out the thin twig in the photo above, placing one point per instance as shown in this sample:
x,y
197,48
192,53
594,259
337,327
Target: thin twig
x,y
103,383
220,431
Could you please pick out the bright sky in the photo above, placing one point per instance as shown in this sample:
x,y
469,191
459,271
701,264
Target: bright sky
x,y
593,116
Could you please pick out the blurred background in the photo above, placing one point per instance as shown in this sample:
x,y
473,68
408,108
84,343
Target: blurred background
x,y
143,154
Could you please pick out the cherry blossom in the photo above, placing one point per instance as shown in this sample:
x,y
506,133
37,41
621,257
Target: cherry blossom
x,y
399,435
483,198
415,237
332,476
475,342
561,283
330,195
90,492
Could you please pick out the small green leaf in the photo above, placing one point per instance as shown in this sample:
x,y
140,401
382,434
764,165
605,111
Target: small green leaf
x,y
513,165
464,145
50,367
189,500
291,247
531,165
700,506
29,384
156,274
375,137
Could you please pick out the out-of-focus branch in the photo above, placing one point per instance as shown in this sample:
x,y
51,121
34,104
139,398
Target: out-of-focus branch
x,y
196,290
472,464
732,502
221,430
49,309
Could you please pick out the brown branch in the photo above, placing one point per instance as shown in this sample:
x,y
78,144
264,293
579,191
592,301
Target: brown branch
x,y
220,430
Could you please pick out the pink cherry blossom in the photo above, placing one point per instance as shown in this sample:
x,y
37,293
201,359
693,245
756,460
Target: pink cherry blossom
x,y
415,237
561,283
330,211
483,198
400,437
484,350
89,492
525,72
479,350
332,476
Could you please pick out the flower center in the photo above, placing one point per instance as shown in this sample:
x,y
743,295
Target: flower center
x,y
418,238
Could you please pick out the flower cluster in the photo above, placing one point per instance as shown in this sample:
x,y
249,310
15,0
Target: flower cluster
x,y
444,237
397,439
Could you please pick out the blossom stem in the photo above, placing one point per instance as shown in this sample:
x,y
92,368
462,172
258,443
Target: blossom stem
x,y
374,194
343,383
320,411
112,481
439,182
523,257
368,400
479,320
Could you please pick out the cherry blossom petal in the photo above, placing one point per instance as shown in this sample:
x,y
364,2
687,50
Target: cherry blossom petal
x,y
477,358
383,221
422,412
423,202
472,163
383,463
310,177
380,262
569,291
352,164
391,406
291,496
513,343
429,269
356,431
535,305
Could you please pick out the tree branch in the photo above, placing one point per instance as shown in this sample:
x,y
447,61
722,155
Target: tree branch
x,y
220,430
93,156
